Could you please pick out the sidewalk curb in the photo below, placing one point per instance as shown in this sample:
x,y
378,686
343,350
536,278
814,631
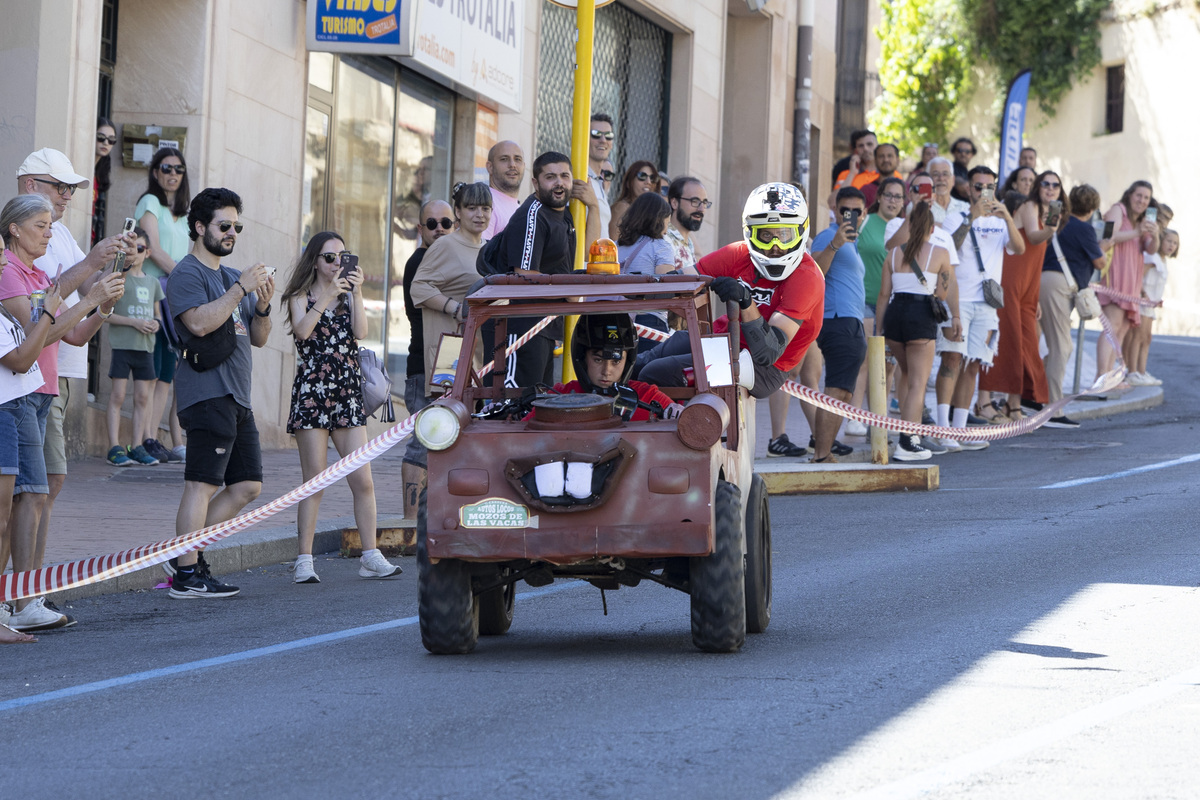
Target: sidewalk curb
x,y
1138,398
242,551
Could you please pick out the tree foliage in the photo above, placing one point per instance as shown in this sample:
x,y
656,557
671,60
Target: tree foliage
x,y
1059,40
924,72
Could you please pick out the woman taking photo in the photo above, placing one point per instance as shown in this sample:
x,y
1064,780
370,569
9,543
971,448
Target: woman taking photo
x,y
162,213
20,376
448,271
325,313
912,275
1018,371
640,178
1133,237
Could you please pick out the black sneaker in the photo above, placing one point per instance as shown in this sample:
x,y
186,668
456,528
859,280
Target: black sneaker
x,y
1031,405
172,566
837,448
1061,421
782,447
155,448
927,417
203,587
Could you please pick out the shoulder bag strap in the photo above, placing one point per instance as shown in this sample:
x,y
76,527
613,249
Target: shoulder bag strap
x,y
975,244
1062,262
633,253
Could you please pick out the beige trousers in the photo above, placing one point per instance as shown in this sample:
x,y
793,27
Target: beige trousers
x,y
1057,302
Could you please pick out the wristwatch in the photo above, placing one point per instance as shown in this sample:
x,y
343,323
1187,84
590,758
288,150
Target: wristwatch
x,y
266,313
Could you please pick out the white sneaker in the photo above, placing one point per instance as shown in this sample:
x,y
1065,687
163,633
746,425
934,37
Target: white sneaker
x,y
180,451
304,570
1135,379
855,428
1150,380
909,448
978,444
951,445
374,565
36,617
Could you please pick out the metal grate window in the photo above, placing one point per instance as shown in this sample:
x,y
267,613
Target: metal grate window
x,y
630,83
1114,99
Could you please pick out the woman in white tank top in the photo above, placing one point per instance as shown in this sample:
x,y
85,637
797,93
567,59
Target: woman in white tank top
x,y
904,312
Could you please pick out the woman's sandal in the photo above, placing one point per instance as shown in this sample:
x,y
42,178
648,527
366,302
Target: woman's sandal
x,y
991,412
1014,414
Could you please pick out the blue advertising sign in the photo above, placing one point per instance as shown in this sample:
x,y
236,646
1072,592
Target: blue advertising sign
x,y
382,27
1012,127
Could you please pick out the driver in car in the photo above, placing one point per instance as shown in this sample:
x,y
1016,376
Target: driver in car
x,y
603,348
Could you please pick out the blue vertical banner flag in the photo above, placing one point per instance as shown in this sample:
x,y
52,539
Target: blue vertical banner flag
x,y
1012,127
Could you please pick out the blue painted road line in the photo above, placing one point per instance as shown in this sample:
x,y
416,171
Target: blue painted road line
x,y
245,655
1125,473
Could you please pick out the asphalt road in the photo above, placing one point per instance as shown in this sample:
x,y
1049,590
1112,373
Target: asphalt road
x,y
993,639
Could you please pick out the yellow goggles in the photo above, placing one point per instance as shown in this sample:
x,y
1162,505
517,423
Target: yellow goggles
x,y
785,237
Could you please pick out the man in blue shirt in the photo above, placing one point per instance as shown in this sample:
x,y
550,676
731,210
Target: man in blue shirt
x,y
842,340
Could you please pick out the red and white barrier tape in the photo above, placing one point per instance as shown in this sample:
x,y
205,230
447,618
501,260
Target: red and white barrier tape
x,y
520,342
98,568
1113,294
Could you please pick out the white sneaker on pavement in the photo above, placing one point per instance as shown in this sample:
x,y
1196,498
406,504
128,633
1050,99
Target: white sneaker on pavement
x,y
36,617
1150,380
304,569
855,428
374,565
951,445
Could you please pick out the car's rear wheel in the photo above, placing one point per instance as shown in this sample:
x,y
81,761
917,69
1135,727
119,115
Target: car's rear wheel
x,y
496,607
758,557
446,607
718,580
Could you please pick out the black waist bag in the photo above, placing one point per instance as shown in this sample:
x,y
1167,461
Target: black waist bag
x,y
207,352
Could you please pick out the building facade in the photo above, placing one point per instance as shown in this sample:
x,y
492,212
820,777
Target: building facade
x,y
355,142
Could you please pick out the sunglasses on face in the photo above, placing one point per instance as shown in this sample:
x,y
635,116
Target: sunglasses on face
x,y
101,139
226,225
332,257
141,248
1051,185
979,187
645,176
603,135
696,202
59,186
432,223
607,175
167,169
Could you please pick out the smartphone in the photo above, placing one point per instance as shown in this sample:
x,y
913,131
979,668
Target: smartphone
x,y
1053,212
988,195
129,226
1108,229
349,264
119,261
851,216
1152,214
925,190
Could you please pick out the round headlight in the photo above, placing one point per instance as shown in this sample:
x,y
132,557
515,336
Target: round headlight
x,y
437,427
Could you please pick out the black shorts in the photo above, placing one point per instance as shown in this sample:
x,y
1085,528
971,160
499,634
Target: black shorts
x,y
909,318
139,362
844,346
222,442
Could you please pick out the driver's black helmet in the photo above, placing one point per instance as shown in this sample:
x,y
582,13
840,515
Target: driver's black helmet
x,y
611,333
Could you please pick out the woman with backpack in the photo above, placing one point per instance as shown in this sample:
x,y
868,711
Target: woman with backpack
x,y
325,312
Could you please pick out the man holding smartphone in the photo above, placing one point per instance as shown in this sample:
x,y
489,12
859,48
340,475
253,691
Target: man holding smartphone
x,y
980,258
842,340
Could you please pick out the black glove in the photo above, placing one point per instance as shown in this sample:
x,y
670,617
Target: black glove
x,y
732,289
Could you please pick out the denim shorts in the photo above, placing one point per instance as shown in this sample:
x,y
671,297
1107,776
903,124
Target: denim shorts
x,y
8,440
28,415
981,333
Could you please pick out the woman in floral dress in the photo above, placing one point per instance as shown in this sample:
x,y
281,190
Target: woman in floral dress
x,y
325,313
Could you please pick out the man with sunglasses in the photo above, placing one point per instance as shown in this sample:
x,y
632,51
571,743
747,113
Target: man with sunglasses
x,y
213,392
842,340
50,173
980,257
688,201
506,170
600,144
437,220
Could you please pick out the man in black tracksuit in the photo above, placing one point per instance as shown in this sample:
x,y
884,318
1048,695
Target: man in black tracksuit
x,y
540,237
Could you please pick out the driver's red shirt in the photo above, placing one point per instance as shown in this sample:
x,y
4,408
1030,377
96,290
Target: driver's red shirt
x,y
800,296
646,392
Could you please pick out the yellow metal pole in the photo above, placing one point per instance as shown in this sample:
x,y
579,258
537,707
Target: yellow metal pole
x,y
877,396
585,24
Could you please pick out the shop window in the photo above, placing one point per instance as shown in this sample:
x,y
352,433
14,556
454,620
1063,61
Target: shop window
x,y
424,134
1114,99
630,82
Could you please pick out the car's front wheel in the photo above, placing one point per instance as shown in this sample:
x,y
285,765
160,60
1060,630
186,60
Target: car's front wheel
x,y
446,607
717,581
